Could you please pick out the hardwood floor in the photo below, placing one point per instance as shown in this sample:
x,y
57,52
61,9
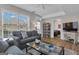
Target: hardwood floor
x,y
59,42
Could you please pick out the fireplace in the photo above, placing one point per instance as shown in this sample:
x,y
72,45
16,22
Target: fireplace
x,y
56,34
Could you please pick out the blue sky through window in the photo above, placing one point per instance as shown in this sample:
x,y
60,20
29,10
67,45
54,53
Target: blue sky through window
x,y
23,19
8,17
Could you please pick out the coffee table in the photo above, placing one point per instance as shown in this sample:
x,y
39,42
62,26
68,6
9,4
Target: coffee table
x,y
43,49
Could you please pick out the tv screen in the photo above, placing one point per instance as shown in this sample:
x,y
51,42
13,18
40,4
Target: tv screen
x,y
71,26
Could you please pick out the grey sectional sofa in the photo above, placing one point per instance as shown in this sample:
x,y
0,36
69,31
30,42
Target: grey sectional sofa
x,y
22,39
6,49
18,43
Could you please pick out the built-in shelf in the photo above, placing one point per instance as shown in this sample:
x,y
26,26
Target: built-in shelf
x,y
46,30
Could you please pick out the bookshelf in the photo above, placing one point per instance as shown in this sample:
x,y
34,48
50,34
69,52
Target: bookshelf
x,y
46,30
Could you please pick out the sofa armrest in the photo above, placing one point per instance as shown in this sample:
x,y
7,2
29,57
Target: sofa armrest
x,y
27,40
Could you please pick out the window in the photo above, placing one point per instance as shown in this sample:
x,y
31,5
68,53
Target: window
x,y
10,23
23,23
37,26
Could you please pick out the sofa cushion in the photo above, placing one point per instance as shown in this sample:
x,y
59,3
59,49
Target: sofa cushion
x,y
13,50
17,34
24,35
34,33
3,46
29,33
10,41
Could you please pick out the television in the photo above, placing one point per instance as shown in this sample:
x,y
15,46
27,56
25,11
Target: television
x,y
70,26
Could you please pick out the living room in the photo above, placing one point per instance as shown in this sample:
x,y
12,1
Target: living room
x,y
40,29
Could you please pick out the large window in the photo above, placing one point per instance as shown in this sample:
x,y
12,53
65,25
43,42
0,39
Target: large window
x,y
23,23
11,21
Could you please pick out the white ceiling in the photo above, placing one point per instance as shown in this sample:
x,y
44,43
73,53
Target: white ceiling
x,y
51,10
